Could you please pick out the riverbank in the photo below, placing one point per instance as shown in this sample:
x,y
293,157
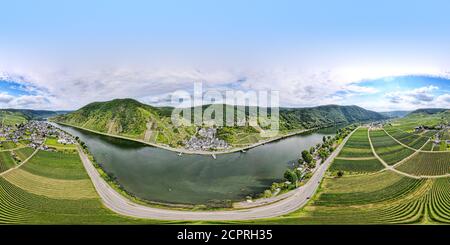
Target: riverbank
x,y
121,205
185,151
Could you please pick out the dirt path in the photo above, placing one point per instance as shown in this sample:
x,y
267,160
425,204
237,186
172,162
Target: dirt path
x,y
22,163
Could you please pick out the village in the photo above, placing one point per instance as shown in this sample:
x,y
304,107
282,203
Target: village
x,y
33,134
205,139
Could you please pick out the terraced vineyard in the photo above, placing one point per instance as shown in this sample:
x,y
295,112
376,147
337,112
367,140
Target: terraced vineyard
x,y
429,133
358,145
356,165
427,163
52,188
387,148
380,198
6,145
428,147
411,140
357,156
23,153
6,161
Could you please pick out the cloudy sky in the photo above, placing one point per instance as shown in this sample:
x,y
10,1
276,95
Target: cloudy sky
x,y
378,54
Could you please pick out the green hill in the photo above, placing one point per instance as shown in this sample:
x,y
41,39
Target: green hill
x,y
130,118
394,114
15,116
36,114
12,118
429,111
319,116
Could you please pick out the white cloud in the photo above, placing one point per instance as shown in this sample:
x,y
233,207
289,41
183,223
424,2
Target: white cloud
x,y
55,86
418,96
5,98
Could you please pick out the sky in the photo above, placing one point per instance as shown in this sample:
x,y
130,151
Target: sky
x,y
381,55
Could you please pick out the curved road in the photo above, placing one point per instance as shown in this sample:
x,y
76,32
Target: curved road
x,y
120,204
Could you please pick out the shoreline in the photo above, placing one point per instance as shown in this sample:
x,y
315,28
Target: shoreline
x,y
185,151
121,205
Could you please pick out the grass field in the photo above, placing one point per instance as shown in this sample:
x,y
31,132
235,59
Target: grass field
x,y
427,163
387,148
53,143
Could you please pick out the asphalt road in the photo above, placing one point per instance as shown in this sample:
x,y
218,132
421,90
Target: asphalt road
x,y
121,205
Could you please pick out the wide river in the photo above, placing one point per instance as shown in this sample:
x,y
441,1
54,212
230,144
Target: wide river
x,y
159,175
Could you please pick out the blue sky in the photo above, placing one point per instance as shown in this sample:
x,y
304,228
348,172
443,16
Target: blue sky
x,y
64,54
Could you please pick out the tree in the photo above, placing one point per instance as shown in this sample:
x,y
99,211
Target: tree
x,y
298,173
311,150
323,153
290,176
340,173
307,157
324,139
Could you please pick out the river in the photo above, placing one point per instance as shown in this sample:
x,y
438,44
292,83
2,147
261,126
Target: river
x,y
159,175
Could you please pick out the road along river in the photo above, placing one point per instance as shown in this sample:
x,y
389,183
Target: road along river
x,y
121,205
159,175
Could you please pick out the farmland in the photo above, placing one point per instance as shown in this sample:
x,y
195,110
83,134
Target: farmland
x,y
417,193
387,148
357,156
6,161
52,188
384,197
411,140
429,146
428,164
358,145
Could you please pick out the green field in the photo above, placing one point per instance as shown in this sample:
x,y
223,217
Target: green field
x,y
356,165
357,145
411,140
387,148
6,145
53,143
11,118
381,198
53,188
356,156
428,147
23,153
6,161
427,163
